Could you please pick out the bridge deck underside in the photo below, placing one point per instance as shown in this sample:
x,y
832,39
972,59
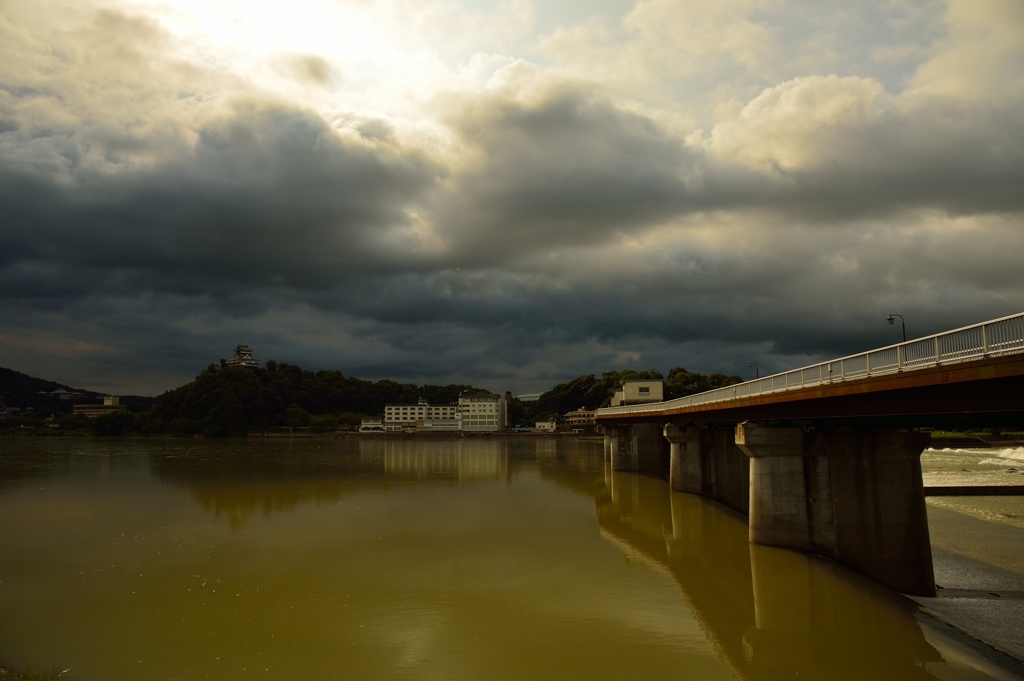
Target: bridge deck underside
x,y
982,393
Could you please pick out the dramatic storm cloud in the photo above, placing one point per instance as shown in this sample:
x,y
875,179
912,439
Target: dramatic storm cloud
x,y
506,194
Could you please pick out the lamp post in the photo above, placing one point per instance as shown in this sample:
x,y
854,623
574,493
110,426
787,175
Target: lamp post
x,y
892,320
757,372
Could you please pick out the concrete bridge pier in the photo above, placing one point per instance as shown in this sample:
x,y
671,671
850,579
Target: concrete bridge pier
x,y
857,498
637,448
706,461
619,448
650,448
608,436
689,469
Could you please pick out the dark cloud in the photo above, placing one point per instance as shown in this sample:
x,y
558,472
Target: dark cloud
x,y
567,169
269,197
556,234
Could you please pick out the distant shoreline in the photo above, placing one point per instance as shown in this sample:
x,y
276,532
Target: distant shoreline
x,y
421,435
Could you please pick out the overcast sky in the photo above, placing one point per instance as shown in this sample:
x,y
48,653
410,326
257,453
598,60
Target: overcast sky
x,y
508,194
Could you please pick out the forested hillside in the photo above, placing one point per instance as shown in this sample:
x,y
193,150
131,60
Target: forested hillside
x,y
231,401
23,391
228,401
591,392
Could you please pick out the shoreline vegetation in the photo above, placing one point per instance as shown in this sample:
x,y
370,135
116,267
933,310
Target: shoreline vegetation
x,y
235,402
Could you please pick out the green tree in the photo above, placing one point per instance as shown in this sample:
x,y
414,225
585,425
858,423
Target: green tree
x,y
681,382
296,416
113,424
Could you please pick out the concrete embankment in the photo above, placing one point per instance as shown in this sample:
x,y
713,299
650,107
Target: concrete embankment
x,y
978,544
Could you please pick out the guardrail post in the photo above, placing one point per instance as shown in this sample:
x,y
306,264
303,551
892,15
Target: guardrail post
x,y
984,339
938,350
899,358
842,369
867,363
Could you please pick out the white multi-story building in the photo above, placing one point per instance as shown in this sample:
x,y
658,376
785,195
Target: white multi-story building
x,y
421,416
638,392
481,411
477,411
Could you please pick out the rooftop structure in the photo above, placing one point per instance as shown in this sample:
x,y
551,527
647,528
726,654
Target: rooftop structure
x,y
243,358
529,397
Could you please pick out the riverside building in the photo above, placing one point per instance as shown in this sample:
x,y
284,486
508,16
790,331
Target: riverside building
x,y
421,416
111,404
638,392
481,411
580,417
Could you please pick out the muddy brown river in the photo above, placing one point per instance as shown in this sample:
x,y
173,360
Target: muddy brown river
x,y
381,558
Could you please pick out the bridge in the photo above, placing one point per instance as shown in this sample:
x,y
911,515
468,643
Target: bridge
x,y
826,459
768,613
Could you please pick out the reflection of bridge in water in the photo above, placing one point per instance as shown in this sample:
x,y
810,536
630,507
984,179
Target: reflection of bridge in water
x,y
770,613
826,459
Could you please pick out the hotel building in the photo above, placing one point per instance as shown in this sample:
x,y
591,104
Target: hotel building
x,y
481,411
420,416
111,404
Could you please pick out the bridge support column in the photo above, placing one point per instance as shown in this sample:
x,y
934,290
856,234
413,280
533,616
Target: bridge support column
x,y
687,469
706,461
619,443
855,497
650,449
782,513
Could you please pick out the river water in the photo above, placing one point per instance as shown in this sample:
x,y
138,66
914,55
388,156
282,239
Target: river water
x,y
380,558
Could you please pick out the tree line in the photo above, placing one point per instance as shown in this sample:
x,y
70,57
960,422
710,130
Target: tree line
x,y
228,401
591,392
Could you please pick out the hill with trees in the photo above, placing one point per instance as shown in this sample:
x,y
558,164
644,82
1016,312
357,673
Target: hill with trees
x,y
232,401
26,392
590,392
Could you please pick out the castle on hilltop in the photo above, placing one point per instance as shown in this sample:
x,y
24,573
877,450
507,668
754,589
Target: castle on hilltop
x,y
243,359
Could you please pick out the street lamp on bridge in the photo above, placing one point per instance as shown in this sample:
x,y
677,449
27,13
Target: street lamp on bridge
x,y
757,372
892,319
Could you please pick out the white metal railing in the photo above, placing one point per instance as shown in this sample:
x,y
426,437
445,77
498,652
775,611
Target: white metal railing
x,y
1003,336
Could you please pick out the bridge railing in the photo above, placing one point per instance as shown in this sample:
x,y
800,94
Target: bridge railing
x,y
1002,336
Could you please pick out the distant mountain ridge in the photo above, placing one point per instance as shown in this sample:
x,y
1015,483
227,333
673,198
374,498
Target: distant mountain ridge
x,y
23,391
